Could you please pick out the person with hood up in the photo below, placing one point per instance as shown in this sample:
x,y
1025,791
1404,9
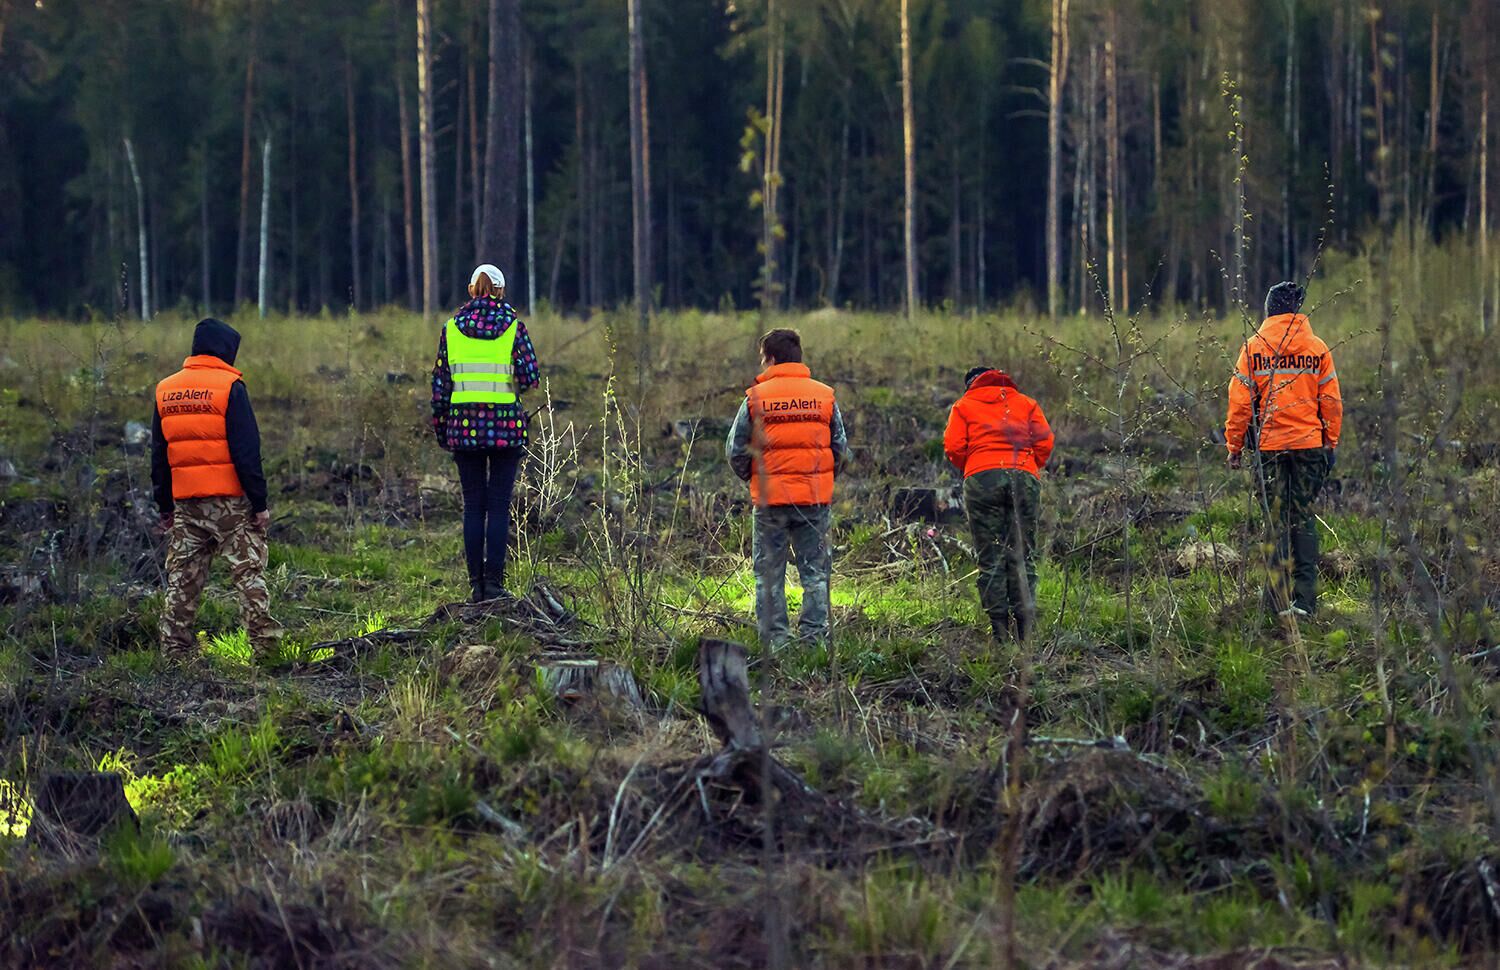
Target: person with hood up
x,y
484,361
211,490
999,438
1285,407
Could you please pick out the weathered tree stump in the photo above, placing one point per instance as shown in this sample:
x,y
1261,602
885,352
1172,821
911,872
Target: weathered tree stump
x,y
81,804
725,682
573,680
914,505
922,504
698,429
745,760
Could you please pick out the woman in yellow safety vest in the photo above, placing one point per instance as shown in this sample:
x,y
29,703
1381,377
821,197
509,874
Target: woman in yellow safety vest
x,y
484,361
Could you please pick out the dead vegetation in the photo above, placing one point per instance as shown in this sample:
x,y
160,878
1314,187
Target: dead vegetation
x,y
555,778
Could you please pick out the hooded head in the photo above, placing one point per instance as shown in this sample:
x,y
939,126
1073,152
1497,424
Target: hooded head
x,y
979,378
1285,298
215,338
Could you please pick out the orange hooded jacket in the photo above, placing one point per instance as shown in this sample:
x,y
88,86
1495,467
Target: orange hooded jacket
x,y
996,426
1285,372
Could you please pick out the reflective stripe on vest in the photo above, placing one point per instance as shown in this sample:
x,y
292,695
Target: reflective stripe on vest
x,y
482,369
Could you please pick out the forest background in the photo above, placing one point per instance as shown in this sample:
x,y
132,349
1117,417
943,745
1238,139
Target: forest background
x,y
205,154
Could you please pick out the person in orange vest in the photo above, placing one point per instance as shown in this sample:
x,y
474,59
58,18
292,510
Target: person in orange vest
x,y
788,443
1286,409
210,490
999,438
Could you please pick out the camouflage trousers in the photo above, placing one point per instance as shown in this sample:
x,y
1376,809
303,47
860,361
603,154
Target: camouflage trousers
x,y
1002,505
1291,482
201,528
801,530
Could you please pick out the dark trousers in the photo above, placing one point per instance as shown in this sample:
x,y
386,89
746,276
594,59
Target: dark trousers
x,y
487,478
1291,481
1003,504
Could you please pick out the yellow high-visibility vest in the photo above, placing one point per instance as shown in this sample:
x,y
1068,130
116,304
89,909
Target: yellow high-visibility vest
x,y
483,370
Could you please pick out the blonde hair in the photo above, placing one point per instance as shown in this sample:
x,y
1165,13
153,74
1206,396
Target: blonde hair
x,y
484,286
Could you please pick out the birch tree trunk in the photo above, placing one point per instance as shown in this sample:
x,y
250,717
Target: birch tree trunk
x,y
1434,115
1111,157
242,240
456,269
770,213
262,290
955,230
1378,106
836,258
354,219
205,251
140,229
1057,78
428,157
530,192
585,292
408,206
476,168
502,151
640,189
908,129
1484,201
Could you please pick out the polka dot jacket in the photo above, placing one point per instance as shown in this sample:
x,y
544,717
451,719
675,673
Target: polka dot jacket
x,y
476,427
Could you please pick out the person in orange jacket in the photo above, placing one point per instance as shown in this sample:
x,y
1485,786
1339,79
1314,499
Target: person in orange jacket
x,y
999,438
1285,407
788,443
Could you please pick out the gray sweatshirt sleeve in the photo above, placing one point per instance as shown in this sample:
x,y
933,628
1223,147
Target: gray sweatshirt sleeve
x,y
839,441
737,445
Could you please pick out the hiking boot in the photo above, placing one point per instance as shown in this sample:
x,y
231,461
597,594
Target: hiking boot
x,y
1294,612
493,585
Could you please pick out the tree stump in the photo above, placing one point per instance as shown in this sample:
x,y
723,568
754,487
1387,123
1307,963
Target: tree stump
x,y
923,504
573,680
914,505
698,429
81,803
725,681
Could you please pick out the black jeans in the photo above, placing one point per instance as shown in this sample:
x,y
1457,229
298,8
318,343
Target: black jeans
x,y
487,478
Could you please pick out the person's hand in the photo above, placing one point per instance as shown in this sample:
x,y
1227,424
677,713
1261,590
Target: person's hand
x,y
1330,457
164,524
1236,460
262,520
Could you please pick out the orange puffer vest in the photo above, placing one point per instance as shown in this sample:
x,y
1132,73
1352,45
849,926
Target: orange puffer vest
x,y
193,403
791,418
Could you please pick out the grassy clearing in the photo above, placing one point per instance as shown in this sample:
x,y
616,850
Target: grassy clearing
x,y
1322,799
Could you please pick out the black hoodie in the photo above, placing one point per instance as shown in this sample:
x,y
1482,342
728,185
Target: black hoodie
x,y
213,338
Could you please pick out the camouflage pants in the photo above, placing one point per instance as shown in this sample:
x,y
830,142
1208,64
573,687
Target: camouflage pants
x,y
1291,482
200,528
803,531
1002,506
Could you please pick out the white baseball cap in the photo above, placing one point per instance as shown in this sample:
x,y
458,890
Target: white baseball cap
x,y
490,270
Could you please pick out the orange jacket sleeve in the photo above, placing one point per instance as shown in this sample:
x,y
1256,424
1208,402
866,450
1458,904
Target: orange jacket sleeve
x,y
1241,394
956,439
1330,402
1042,438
